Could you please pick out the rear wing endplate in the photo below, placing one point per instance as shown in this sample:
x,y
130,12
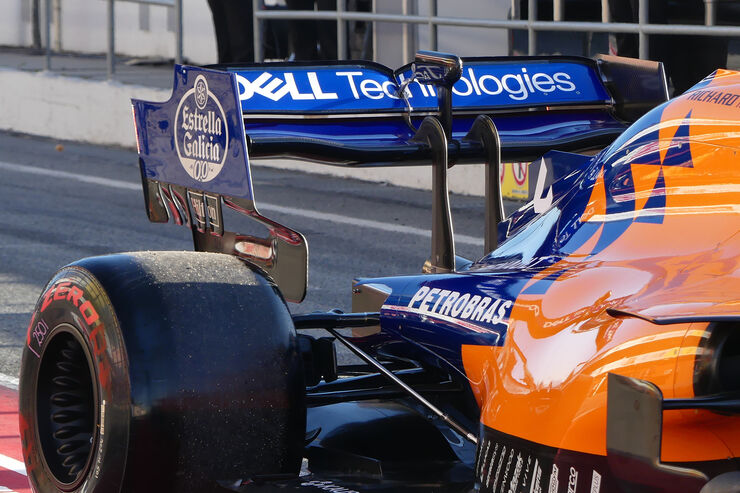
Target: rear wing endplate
x,y
193,159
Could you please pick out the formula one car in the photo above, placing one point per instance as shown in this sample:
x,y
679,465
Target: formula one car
x,y
594,348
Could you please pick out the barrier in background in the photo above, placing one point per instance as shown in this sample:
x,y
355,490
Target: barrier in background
x,y
111,21
531,24
515,181
432,20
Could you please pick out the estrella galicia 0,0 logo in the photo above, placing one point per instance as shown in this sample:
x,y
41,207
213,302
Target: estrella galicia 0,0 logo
x,y
201,133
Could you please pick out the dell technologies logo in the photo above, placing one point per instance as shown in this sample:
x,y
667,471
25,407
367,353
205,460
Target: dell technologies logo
x,y
516,86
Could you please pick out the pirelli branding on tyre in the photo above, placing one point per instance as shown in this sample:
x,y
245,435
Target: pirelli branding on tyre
x,y
201,133
72,392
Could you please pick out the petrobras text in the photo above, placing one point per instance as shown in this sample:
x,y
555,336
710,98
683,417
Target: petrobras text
x,y
460,306
358,88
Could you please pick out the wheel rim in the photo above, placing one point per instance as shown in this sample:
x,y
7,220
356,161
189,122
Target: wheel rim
x,y
66,404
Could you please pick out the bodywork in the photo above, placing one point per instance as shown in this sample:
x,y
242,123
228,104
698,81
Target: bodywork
x,y
623,263
630,270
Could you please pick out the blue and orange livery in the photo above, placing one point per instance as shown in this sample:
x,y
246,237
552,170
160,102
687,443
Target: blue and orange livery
x,y
594,347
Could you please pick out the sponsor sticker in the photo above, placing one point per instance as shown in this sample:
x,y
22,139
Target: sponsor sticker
x,y
554,483
535,486
207,213
595,482
215,217
198,206
483,458
716,97
474,312
514,484
328,486
362,88
498,468
572,480
201,132
508,468
529,467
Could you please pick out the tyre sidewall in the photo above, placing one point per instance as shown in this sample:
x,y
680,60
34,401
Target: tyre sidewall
x,y
74,301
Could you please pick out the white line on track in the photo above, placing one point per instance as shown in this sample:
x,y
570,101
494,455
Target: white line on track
x,y
8,382
365,223
12,464
33,170
310,214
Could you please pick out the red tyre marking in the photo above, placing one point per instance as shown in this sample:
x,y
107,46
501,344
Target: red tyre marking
x,y
10,442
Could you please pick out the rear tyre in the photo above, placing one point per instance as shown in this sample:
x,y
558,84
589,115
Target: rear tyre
x,y
159,371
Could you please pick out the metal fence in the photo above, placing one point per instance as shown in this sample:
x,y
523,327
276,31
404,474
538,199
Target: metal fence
x,y
531,24
432,20
111,25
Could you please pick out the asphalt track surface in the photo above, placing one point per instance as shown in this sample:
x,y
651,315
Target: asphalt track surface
x,y
59,204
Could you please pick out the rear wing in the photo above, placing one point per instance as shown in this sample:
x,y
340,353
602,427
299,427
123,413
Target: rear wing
x,y
194,149
351,113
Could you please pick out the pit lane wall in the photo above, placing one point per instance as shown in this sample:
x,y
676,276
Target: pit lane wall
x,y
99,112
141,29
52,105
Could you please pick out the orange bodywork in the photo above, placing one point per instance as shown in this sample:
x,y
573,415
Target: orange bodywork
x,y
547,383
